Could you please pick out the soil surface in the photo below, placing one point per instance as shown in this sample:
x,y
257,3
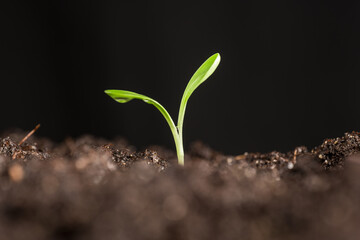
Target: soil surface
x,y
90,188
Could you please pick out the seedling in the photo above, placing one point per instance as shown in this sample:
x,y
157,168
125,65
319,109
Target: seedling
x,y
203,73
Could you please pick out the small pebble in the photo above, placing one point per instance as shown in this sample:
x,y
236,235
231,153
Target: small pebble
x,y
290,165
16,173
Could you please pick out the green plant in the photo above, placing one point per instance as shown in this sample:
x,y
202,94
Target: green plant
x,y
203,73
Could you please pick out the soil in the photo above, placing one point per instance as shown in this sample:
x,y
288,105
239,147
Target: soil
x,y
89,188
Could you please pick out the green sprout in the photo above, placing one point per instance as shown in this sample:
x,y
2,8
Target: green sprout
x,y
203,73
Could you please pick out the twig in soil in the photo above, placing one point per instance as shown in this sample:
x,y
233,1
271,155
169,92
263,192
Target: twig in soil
x,y
295,155
25,138
29,134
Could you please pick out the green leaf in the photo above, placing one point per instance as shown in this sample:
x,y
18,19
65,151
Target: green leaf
x,y
123,96
203,73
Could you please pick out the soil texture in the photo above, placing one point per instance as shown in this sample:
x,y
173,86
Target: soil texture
x,y
90,188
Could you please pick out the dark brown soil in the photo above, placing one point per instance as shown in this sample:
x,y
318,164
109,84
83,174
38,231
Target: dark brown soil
x,y
91,188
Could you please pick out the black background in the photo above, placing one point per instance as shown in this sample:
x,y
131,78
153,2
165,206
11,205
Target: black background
x,y
289,73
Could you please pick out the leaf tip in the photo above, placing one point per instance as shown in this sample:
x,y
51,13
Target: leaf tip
x,y
110,93
217,58
107,91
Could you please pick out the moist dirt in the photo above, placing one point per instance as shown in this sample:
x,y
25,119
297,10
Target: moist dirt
x,y
91,188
